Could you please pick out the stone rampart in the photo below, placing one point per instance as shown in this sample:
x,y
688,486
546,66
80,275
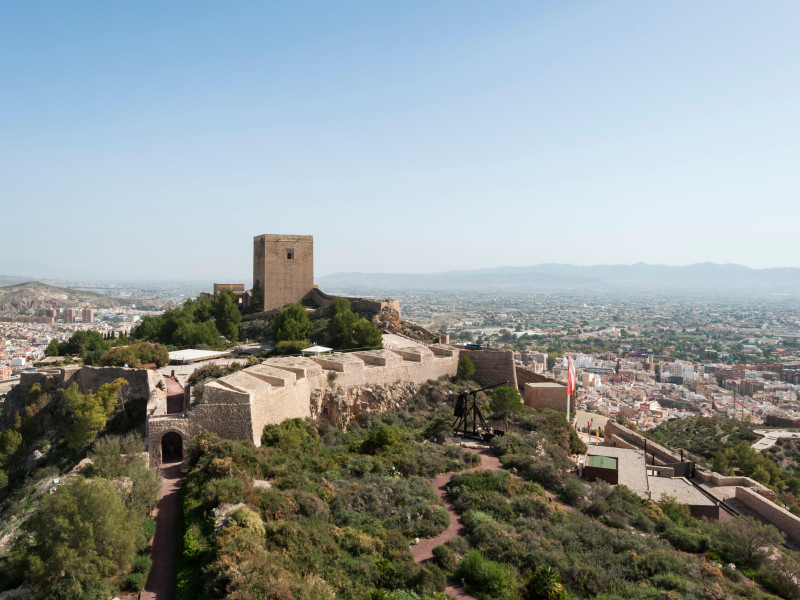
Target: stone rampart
x,y
493,366
141,382
778,516
526,375
336,386
545,395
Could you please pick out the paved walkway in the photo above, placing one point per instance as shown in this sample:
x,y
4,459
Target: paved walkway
x,y
771,436
164,552
174,396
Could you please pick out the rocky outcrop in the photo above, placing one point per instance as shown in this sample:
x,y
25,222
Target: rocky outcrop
x,y
388,319
340,406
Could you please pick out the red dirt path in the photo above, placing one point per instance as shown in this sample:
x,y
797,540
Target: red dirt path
x,y
424,550
164,552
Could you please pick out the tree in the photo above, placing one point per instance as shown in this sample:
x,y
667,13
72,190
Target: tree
x,y
466,369
90,412
84,341
342,321
150,353
52,348
83,533
748,540
120,356
505,400
367,335
257,300
227,314
291,323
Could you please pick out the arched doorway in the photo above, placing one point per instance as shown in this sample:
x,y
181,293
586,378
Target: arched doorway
x,y
171,447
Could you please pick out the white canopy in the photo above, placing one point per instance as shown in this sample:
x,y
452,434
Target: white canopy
x,y
317,350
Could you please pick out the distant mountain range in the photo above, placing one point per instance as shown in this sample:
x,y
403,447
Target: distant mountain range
x,y
702,278
33,296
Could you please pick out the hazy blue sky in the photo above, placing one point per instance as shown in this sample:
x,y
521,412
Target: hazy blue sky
x,y
155,139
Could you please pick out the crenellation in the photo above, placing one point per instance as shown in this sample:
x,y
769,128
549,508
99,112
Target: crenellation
x,y
271,375
341,363
381,358
301,366
415,354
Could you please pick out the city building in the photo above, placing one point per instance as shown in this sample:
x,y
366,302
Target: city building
x,y
87,315
69,315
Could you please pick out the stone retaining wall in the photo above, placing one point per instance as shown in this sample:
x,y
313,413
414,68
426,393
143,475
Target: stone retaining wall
x,y
780,517
622,437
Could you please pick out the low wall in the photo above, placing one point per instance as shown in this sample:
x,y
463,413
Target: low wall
x,y
493,366
777,421
780,517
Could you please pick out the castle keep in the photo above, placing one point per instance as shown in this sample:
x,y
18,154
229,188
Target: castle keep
x,y
283,266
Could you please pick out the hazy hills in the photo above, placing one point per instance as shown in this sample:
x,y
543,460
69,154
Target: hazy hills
x,y
33,296
701,278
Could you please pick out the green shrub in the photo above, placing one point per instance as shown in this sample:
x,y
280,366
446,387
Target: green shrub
x,y
135,581
446,558
249,519
292,435
291,347
142,564
486,578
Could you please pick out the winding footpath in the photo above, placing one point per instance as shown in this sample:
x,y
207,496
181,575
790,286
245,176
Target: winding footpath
x,y
423,551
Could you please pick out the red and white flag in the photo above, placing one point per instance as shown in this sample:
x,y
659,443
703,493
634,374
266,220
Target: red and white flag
x,y
570,376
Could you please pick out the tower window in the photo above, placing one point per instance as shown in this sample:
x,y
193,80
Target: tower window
x,y
289,255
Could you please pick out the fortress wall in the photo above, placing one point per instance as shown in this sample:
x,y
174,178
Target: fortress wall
x,y
239,405
278,404
493,366
780,517
546,395
526,375
139,380
225,410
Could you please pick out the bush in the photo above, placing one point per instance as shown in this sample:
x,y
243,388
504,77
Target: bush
x,y
249,519
446,558
135,581
487,578
142,564
291,347
292,435
466,369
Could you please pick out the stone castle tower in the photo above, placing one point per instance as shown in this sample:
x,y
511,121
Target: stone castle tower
x,y
283,265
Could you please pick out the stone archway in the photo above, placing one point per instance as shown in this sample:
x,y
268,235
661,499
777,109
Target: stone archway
x,y
171,447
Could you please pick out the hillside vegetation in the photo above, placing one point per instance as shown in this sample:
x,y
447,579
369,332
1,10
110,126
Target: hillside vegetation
x,y
71,533
319,513
704,436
